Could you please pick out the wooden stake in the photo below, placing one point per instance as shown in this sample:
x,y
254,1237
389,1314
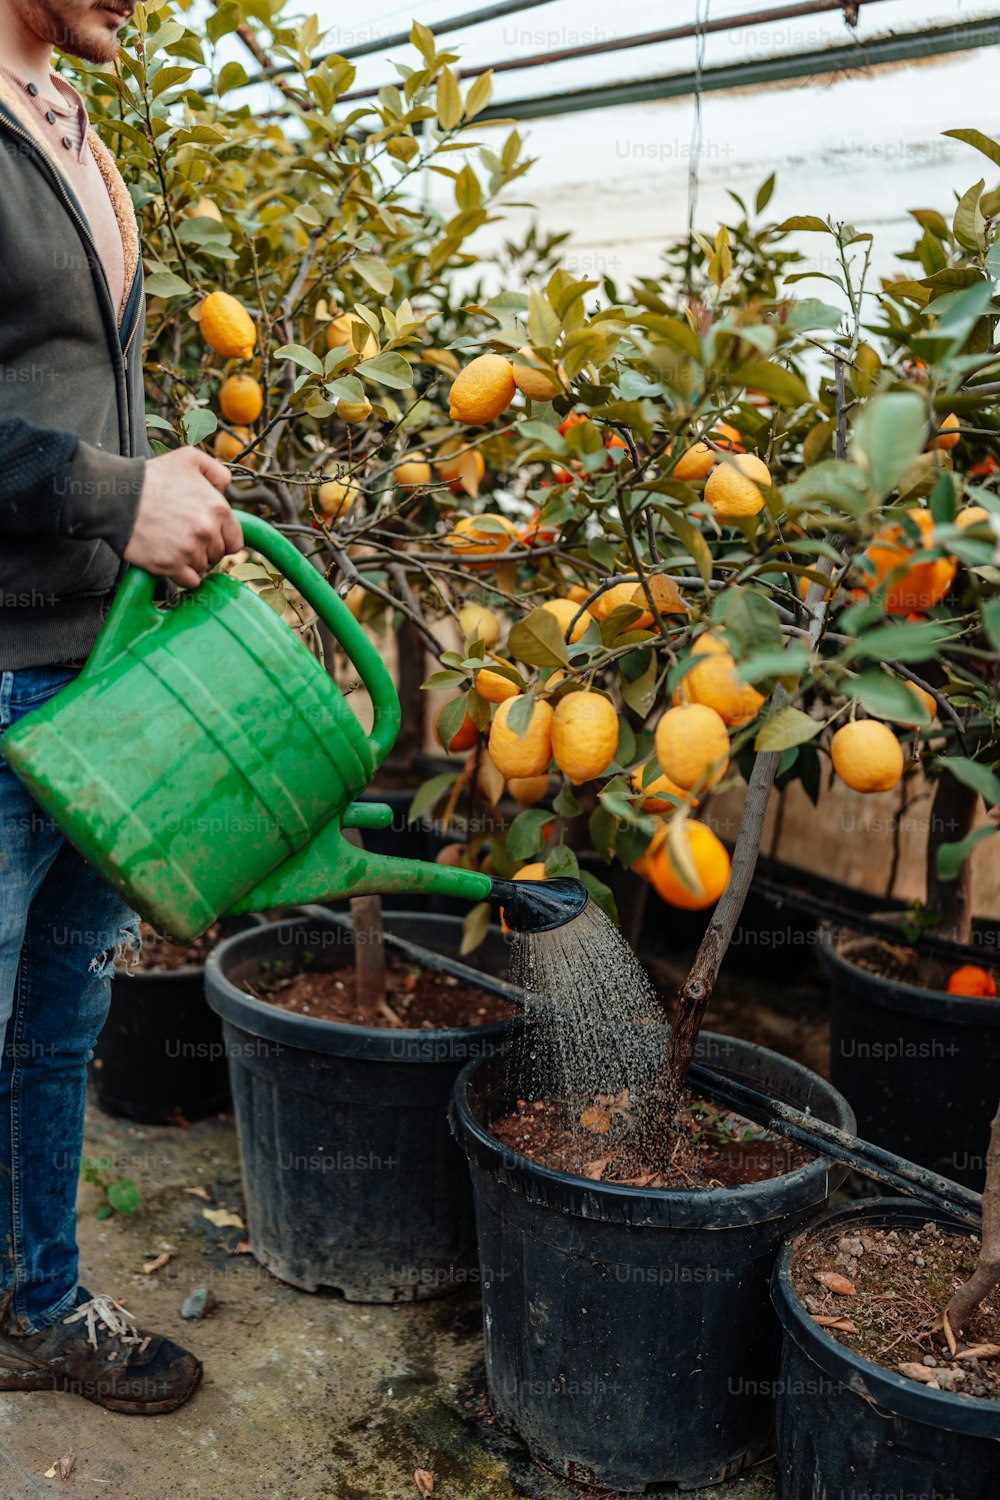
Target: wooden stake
x,y
369,951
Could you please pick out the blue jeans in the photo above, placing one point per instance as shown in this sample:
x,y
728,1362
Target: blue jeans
x,y
61,927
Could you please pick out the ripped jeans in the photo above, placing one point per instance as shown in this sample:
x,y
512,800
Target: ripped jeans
x,y
60,926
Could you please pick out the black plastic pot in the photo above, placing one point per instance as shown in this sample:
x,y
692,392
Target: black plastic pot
x,y
848,1429
629,1335
921,1068
160,1058
350,1174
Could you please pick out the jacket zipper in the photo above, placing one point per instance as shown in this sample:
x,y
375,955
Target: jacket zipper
x,y
16,130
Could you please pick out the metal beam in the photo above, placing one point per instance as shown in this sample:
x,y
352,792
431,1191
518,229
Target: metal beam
x,y
851,58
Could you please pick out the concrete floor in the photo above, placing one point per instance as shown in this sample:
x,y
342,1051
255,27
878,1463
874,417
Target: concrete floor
x,y
305,1397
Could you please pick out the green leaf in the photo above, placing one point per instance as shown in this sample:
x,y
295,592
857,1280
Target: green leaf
x,y
166,284
951,857
375,272
971,774
888,435
479,94
600,894
430,794
233,75
543,321
803,223
812,313
298,354
680,856
969,226
475,927
525,836
789,726
750,618
565,804
198,423
903,642
832,482
888,697
388,368
538,640
764,193
783,386
979,141
123,1196
449,100
519,714
990,610
154,421
561,861
452,716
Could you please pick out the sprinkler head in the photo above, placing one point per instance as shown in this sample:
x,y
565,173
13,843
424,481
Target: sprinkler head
x,y
539,905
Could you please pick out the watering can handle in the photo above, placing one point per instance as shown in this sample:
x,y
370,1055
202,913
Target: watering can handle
x,y
133,613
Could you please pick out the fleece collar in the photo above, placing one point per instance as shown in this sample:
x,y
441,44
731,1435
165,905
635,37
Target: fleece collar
x,y
10,98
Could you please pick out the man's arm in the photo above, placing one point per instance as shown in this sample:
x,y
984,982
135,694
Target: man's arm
x,y
168,514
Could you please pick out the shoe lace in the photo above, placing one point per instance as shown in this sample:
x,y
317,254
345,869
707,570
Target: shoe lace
x,y
109,1312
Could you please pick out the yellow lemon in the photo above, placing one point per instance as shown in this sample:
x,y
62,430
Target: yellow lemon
x,y
470,538
412,472
584,735
536,384
338,497
716,682
340,335
483,390
241,399
565,611
732,489
694,463
711,861
493,686
867,755
527,790
479,623
228,444
227,327
517,755
692,745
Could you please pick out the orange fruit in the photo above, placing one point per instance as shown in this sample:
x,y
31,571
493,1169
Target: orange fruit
x,y
338,497
482,390
949,432
867,755
461,471
727,436
519,755
984,468
227,327
412,472
715,681
564,611
971,980
733,487
471,539
692,745
972,516
656,792
584,735
919,586
710,858
527,790
241,399
479,623
228,444
464,737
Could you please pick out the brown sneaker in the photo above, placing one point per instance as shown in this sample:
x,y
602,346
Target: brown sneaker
x,y
97,1352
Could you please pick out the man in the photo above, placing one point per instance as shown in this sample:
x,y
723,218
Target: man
x,y
80,495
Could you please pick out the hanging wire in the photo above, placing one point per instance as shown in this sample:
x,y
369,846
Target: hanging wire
x,y
694,159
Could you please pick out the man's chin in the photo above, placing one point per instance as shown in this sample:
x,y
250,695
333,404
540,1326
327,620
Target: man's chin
x,y
96,45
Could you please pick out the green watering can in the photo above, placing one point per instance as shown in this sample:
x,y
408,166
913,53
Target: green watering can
x,y
206,763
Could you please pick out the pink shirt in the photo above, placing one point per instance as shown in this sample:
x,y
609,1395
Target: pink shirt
x,y
62,116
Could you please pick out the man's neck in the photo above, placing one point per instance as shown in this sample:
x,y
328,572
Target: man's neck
x,y
22,51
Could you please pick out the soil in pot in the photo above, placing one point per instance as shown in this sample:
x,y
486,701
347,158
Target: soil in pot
x,y
899,964
879,1292
158,952
416,999
604,1141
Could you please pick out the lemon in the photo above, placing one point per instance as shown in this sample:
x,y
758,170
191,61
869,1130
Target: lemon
x,y
412,472
715,681
494,687
867,755
227,327
228,444
711,861
527,790
536,384
241,399
338,497
340,335
564,611
479,623
470,538
204,208
694,463
949,432
692,745
732,489
584,735
483,390
517,755
657,791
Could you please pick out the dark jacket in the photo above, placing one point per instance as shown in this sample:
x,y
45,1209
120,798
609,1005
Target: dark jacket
x,y
72,414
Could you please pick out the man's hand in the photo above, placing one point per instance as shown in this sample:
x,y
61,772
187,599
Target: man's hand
x,y
184,523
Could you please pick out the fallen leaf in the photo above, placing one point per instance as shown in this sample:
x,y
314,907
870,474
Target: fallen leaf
x,y
149,1266
919,1372
595,1170
198,1192
596,1120
424,1480
66,1465
980,1351
51,1473
841,1324
834,1282
643,1180
222,1218
243,1248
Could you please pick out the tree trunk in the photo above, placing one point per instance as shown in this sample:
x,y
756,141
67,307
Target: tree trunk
x,y
953,813
987,1273
397,768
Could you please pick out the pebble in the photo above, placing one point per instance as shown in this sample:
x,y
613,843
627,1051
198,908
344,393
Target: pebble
x,y
198,1303
930,1361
